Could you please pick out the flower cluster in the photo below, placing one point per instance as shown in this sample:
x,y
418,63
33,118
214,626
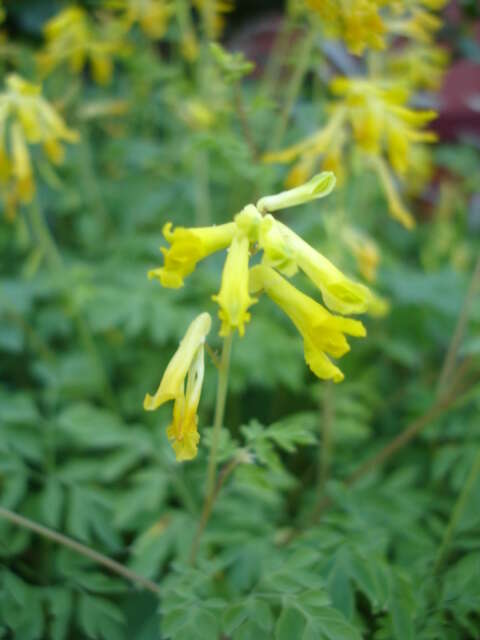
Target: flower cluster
x,y
152,15
73,37
254,229
365,24
373,114
26,118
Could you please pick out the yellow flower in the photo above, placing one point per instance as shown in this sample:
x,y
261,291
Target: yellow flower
x,y
187,247
418,65
318,187
213,12
322,332
188,360
151,15
26,118
417,23
357,22
365,251
233,297
373,115
285,250
397,209
73,37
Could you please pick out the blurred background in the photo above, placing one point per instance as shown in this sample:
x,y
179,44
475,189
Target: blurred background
x,y
117,117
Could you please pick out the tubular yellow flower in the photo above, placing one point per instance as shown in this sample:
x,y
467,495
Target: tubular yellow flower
x,y
322,332
188,360
26,118
233,297
396,207
73,37
283,248
187,247
318,187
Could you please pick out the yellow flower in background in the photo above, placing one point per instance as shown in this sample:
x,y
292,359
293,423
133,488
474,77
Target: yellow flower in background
x,y
365,24
152,15
374,116
213,12
186,364
418,66
233,297
73,37
187,247
358,22
416,19
322,332
365,252
26,118
254,229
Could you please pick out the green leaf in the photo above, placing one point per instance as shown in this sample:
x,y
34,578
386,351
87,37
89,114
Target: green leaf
x,y
290,624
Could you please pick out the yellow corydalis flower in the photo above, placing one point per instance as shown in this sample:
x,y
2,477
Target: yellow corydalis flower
x,y
357,22
152,15
415,19
373,116
419,66
74,38
187,247
254,229
186,364
26,118
365,252
233,297
322,332
286,251
213,12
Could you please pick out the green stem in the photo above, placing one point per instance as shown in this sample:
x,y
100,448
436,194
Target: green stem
x,y
458,511
459,332
294,87
326,422
222,386
202,194
92,189
95,556
212,490
44,237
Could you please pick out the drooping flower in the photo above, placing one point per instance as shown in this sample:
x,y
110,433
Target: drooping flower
x,y
322,332
73,37
187,248
233,298
285,250
26,118
186,364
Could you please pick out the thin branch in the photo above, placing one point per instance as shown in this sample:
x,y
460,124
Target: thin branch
x,y
242,117
459,332
457,512
95,556
208,506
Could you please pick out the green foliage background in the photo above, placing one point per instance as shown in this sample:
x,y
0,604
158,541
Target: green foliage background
x,y
82,341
